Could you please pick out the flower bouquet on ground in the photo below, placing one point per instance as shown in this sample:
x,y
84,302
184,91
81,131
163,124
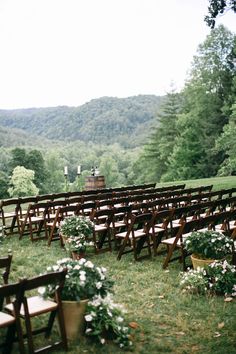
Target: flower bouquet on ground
x,y
217,278
208,244
83,280
105,321
77,233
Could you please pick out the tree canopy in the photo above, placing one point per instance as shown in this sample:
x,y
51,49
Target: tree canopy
x,y
218,7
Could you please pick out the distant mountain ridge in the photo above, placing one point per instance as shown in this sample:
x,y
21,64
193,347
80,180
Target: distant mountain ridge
x,y
106,120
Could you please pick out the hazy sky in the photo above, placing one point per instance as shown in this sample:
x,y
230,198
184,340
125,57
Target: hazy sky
x,y
67,52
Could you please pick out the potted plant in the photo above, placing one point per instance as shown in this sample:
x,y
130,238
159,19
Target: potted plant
x,y
77,232
207,246
77,245
84,280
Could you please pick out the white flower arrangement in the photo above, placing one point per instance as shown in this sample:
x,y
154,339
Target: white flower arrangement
x,y
83,280
218,278
105,321
208,244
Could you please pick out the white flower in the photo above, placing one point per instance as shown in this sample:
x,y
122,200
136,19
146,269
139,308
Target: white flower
x,y
102,341
89,264
98,285
41,290
88,330
88,318
77,267
120,319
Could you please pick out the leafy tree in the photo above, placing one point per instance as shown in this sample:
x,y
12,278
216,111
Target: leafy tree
x,y
217,7
54,164
109,169
226,143
154,159
22,183
207,100
18,158
4,184
36,163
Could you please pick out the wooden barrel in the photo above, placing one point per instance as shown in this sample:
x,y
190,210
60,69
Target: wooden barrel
x,y
94,182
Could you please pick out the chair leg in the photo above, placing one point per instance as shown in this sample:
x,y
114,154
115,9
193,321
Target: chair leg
x,y
121,250
9,339
50,323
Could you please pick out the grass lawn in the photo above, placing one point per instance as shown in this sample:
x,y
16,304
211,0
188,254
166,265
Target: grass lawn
x,y
169,321
218,182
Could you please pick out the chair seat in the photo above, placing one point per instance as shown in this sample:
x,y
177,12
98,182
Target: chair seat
x,y
137,234
6,319
119,224
100,227
158,229
36,305
8,215
170,241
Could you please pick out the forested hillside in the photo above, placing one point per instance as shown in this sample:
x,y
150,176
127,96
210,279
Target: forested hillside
x,y
107,120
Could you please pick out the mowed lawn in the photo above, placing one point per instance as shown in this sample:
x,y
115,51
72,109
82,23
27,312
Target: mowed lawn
x,y
169,321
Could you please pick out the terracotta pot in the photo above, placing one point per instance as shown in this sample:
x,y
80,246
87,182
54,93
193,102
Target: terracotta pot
x,y
77,256
199,262
74,312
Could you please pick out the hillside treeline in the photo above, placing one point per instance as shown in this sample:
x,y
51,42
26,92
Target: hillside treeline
x,y
107,120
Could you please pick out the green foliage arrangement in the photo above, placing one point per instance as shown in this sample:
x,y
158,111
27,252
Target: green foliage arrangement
x,y
83,280
77,226
105,321
217,278
208,244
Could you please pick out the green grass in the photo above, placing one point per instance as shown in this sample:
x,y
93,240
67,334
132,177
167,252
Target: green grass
x,y
218,182
169,321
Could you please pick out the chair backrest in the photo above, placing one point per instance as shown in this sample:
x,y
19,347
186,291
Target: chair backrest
x,y
54,278
141,221
86,208
106,215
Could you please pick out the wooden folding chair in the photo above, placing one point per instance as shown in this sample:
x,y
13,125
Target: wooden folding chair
x,y
102,220
136,236
54,225
34,222
34,306
9,212
159,229
176,242
11,321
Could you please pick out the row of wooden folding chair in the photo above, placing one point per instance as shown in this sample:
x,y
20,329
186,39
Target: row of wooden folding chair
x,y
218,221
26,306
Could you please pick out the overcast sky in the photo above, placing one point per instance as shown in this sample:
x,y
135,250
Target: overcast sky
x,y
67,52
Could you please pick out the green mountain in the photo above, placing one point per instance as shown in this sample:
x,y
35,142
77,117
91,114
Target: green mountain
x,y
106,120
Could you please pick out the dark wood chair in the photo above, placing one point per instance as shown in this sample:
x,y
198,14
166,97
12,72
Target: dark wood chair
x,y
34,306
137,235
160,227
9,213
102,220
11,321
34,221
53,225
